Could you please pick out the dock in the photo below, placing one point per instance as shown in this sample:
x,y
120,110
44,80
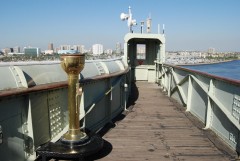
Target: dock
x,y
156,128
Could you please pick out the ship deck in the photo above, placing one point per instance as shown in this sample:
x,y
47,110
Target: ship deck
x,y
157,128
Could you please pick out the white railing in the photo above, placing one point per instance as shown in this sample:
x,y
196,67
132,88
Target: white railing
x,y
214,100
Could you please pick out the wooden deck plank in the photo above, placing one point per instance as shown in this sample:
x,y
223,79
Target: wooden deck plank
x,y
155,129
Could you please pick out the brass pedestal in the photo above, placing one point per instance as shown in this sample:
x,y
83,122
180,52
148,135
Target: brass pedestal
x,y
75,143
73,65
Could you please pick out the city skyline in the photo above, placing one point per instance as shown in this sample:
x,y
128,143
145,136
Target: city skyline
x,y
189,25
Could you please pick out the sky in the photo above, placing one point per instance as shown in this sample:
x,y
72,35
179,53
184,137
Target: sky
x,y
189,24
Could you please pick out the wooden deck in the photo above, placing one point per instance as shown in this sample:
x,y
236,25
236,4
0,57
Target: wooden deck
x,y
156,129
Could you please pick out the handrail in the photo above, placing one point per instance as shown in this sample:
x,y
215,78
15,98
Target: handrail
x,y
227,80
100,97
22,91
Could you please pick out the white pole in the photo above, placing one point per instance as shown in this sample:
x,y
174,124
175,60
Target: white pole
x,y
163,28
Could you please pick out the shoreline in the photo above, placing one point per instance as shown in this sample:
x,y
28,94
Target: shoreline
x,y
217,62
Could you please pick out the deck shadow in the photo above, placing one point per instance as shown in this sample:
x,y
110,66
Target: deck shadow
x,y
133,95
107,148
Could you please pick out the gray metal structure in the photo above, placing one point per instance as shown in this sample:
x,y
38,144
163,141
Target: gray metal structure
x,y
213,100
155,50
33,103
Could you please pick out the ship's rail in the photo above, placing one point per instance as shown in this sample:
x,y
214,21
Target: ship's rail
x,y
33,102
212,99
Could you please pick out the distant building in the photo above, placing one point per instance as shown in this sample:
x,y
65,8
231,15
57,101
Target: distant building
x,y
6,51
49,52
79,48
15,53
32,51
16,49
50,46
108,51
97,49
118,48
211,51
67,51
65,47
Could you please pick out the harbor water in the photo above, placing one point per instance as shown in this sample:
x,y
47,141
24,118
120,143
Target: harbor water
x,y
230,70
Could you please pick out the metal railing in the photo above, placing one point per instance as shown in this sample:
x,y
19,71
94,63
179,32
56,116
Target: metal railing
x,y
213,100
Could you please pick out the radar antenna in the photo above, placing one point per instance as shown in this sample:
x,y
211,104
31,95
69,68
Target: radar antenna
x,y
131,22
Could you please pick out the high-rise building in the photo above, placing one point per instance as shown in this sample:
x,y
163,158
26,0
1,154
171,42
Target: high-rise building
x,y
97,49
65,47
31,51
50,46
79,48
16,49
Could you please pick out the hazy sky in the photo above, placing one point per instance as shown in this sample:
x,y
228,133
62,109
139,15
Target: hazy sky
x,y
189,24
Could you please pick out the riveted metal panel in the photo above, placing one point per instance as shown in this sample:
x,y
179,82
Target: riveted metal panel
x,y
226,94
94,94
236,107
223,127
12,135
12,147
58,111
40,118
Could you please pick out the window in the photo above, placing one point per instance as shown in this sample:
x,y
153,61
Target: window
x,y
141,51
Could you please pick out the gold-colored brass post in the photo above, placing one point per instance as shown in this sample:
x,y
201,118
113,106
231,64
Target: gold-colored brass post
x,y
73,64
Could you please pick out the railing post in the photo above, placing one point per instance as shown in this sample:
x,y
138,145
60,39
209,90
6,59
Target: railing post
x,y
169,82
189,97
208,118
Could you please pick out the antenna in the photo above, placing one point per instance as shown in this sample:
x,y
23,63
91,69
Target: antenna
x,y
163,28
149,21
142,23
158,28
131,22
